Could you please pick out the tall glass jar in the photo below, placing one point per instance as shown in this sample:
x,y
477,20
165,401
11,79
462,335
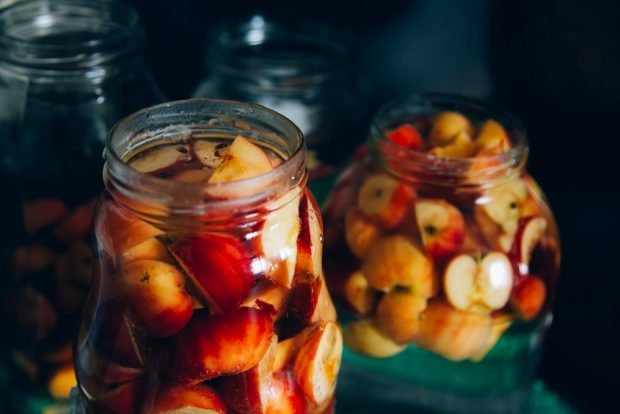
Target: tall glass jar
x,y
443,256
306,71
209,291
68,70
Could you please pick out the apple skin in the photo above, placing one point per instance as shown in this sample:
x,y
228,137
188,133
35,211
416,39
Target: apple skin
x,y
214,345
385,199
528,297
310,239
441,226
407,136
220,267
285,396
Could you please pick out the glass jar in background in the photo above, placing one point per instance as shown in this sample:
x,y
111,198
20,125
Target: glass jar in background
x,y
306,71
69,69
442,255
210,293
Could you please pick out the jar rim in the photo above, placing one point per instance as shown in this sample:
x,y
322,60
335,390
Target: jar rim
x,y
68,34
291,56
157,197
477,170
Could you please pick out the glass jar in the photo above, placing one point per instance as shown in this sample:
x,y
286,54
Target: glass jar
x,y
68,71
442,255
208,293
306,71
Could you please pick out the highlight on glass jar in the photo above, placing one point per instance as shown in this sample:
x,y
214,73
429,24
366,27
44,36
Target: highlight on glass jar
x,y
443,255
210,291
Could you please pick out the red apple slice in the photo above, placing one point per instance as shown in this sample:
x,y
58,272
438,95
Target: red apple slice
x,y
530,233
396,261
42,212
364,337
441,225
154,292
446,125
451,333
188,399
310,239
310,301
384,199
528,297
247,392
479,287
219,266
284,396
243,160
215,345
278,236
407,136
318,362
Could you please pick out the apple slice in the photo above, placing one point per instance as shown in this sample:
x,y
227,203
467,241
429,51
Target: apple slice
x,y
528,297
310,301
211,153
214,345
492,139
42,212
318,362
396,261
188,399
150,249
384,199
268,295
277,240
479,287
157,159
398,314
191,176
441,225
366,338
359,295
284,395
77,225
530,233
446,125
118,231
61,382
360,232
243,160
154,292
247,392
461,146
499,324
498,212
219,265
310,240
451,333
287,350
407,136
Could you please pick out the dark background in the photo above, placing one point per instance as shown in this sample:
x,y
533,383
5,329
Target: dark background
x,y
555,63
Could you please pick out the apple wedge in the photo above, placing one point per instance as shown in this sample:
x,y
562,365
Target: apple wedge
x,y
398,315
446,125
363,336
530,232
215,345
451,333
384,199
219,265
310,239
461,146
284,396
268,295
492,139
287,350
441,226
157,159
188,399
479,287
243,160
310,301
317,363
155,294
407,136
358,293
150,249
397,261
211,153
278,238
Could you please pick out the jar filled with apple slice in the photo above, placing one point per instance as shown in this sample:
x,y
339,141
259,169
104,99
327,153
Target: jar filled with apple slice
x,y
443,255
210,294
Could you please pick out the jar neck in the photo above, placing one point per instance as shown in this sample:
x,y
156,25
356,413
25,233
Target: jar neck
x,y
259,56
176,204
67,40
422,168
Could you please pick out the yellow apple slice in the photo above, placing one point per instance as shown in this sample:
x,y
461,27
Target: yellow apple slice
x,y
492,139
366,338
359,294
243,160
461,146
360,232
446,125
211,153
156,159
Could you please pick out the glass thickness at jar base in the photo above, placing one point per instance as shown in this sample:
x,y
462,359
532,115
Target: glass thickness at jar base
x,y
214,298
442,255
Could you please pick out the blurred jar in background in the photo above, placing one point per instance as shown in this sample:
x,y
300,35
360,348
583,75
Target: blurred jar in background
x,y
304,71
68,71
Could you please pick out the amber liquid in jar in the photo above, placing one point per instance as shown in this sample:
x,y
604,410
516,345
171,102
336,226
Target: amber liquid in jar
x,y
230,314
